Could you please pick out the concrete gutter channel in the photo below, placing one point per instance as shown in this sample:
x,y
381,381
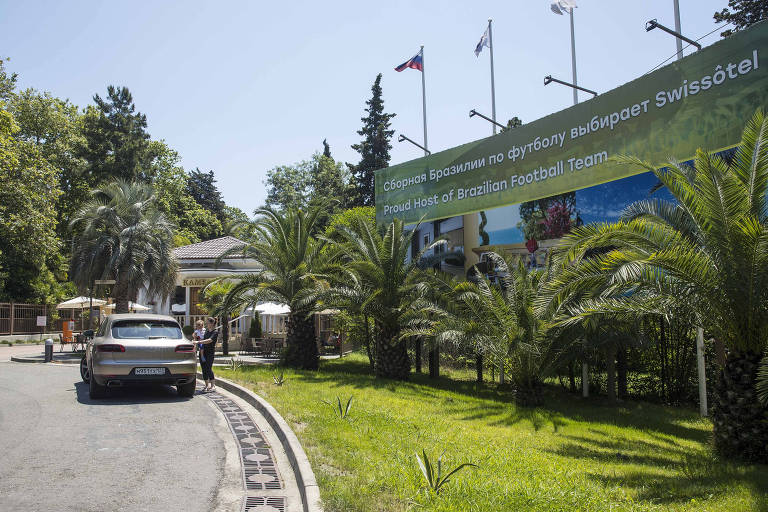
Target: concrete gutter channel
x,y
305,477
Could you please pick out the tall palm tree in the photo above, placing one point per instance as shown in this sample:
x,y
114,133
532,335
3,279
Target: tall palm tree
x,y
122,236
707,253
379,282
285,243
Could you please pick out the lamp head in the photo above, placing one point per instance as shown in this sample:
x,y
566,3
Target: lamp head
x,y
650,25
547,79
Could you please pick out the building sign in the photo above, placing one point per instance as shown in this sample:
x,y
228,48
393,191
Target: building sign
x,y
195,282
702,101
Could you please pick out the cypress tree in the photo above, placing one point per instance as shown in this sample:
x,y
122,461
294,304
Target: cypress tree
x,y
375,146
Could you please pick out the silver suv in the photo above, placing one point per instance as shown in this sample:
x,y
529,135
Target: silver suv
x,y
139,348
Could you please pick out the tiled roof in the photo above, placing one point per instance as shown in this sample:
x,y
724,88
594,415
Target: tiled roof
x,y
210,249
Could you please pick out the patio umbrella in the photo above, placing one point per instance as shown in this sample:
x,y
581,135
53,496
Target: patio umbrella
x,y
132,306
272,308
80,303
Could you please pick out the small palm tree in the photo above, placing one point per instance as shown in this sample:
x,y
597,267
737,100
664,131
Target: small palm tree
x,y
378,281
497,319
705,253
122,236
285,245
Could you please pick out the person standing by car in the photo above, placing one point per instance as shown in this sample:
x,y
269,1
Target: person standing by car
x,y
206,356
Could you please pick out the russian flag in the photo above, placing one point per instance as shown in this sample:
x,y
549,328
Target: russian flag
x,y
416,62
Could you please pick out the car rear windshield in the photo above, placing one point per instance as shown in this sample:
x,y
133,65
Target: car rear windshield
x,y
145,329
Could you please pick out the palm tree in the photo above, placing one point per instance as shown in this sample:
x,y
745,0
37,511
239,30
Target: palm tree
x,y
497,319
378,281
286,247
706,253
122,236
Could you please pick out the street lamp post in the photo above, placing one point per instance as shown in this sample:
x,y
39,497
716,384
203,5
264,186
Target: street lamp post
x,y
652,24
473,113
402,138
549,79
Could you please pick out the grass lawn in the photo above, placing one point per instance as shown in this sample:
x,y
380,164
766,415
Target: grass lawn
x,y
572,454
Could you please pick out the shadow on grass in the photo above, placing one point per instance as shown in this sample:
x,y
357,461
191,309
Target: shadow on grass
x,y
661,469
697,477
495,403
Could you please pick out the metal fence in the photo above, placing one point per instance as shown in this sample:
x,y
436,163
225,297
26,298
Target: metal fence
x,y
22,318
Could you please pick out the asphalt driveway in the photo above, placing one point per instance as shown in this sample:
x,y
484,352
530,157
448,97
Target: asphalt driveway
x,y
143,448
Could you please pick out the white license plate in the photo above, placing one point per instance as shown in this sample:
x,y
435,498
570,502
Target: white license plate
x,y
149,371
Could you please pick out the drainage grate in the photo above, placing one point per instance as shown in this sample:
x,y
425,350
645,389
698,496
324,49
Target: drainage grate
x,y
256,458
251,440
259,504
259,478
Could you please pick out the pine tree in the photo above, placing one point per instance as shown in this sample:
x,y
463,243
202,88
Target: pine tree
x,y
375,146
116,139
326,149
202,187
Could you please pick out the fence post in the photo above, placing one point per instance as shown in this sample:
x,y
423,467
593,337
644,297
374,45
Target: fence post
x,y
13,306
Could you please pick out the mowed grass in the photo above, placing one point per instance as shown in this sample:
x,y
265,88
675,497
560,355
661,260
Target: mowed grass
x,y
571,454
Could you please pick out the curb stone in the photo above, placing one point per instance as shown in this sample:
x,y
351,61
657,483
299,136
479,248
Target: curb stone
x,y
41,360
305,477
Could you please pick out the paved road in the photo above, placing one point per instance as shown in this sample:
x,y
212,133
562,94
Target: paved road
x,y
142,449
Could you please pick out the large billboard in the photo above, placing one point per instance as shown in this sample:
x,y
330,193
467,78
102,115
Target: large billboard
x,y
702,101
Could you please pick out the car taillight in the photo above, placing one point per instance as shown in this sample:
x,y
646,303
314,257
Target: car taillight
x,y
185,348
110,348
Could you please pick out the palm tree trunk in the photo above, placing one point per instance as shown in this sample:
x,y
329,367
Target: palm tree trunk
x,y
301,351
479,366
610,364
122,299
740,421
392,360
621,371
369,344
417,343
434,361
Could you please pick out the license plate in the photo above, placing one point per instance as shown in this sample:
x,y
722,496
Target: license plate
x,y
149,371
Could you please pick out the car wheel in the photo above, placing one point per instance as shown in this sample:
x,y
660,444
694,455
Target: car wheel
x,y
85,373
96,391
188,389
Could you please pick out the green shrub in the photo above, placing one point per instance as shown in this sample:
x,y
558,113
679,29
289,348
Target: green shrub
x,y
255,330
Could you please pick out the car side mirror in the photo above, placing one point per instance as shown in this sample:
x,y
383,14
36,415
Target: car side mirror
x,y
88,333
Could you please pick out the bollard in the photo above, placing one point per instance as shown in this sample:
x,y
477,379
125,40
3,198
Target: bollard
x,y
48,350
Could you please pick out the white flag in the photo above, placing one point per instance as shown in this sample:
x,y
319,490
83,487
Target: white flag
x,y
563,6
483,42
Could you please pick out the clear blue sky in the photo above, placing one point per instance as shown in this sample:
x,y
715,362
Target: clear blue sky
x,y
239,87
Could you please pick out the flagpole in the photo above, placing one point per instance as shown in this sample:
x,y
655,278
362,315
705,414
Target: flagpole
x,y
493,86
573,60
424,101
678,30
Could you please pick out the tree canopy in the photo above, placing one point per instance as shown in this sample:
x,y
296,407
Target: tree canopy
x,y
742,14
